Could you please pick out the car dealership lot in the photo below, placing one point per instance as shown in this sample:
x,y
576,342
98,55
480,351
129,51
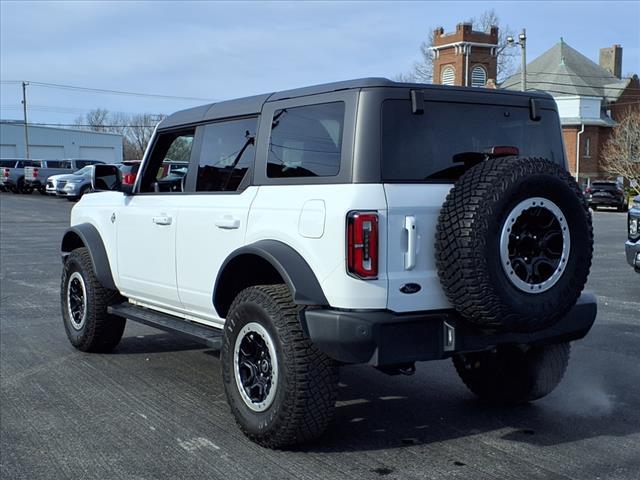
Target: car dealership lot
x,y
155,408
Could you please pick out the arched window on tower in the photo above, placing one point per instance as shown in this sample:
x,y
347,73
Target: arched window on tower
x,y
478,76
448,75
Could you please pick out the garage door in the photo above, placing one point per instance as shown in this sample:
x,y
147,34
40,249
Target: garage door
x,y
7,151
52,152
106,154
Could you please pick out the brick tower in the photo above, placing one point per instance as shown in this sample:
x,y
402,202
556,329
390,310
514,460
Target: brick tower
x,y
465,57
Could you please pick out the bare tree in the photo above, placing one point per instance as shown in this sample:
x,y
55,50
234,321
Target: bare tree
x,y
139,132
95,120
621,152
136,130
423,69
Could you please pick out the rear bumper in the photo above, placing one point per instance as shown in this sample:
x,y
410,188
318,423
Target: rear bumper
x,y
606,201
386,338
7,182
632,250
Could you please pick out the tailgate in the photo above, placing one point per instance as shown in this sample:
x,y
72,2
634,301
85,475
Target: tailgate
x,y
30,173
410,251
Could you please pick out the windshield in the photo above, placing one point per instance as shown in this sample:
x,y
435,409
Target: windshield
x,y
422,147
83,171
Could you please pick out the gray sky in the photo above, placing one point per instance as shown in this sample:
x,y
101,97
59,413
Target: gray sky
x,y
219,50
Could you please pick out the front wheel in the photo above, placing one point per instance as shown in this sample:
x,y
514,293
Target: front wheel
x,y
281,389
513,374
84,301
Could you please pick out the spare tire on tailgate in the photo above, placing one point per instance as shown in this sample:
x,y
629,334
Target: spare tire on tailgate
x,y
514,244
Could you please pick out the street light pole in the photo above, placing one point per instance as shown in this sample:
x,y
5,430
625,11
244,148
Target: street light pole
x,y
24,110
522,41
523,57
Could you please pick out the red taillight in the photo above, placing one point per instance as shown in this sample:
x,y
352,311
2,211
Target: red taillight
x,y
587,190
503,151
35,172
362,244
5,172
129,178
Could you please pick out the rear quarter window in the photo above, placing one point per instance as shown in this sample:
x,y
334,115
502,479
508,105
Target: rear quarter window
x,y
418,148
306,141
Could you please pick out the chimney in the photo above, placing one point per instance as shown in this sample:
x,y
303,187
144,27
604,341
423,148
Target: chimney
x,y
611,60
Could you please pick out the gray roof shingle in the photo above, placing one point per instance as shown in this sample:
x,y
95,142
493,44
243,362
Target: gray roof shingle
x,y
562,71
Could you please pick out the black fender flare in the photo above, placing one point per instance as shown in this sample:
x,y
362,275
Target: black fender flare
x,y
88,236
290,265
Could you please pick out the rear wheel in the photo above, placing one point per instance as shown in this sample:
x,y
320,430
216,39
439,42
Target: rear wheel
x,y
513,374
42,190
280,387
84,301
23,187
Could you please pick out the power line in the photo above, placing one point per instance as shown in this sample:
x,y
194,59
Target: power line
x,y
584,86
109,92
39,124
574,75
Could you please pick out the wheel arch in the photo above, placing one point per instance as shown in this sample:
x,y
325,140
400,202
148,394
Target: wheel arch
x,y
86,235
268,261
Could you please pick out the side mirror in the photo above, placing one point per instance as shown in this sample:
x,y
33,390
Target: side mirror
x,y
106,177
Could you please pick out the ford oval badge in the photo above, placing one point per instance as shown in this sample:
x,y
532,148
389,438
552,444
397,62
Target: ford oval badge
x,y
409,288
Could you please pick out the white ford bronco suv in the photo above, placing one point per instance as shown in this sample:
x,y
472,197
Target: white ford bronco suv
x,y
364,221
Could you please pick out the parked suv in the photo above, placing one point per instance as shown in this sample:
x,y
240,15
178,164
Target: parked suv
x,y
606,194
12,175
365,221
632,246
36,175
74,185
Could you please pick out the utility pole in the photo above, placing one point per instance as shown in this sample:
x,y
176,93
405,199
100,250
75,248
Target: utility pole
x,y
523,46
522,41
24,110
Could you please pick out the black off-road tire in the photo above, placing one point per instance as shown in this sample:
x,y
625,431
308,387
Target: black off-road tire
x,y
22,187
42,189
100,331
307,381
468,237
513,375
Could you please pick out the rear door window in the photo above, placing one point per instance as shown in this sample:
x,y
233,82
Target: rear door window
x,y
306,141
430,147
227,154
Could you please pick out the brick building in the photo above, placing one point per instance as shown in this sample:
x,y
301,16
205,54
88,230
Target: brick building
x,y
591,99
464,57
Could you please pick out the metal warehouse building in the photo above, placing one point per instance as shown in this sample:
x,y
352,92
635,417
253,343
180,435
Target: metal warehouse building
x,y
58,143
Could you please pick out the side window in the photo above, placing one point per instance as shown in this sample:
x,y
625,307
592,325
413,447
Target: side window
x,y
306,141
228,150
170,149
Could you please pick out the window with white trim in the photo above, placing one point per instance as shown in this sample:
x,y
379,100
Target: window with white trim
x,y
448,75
478,76
587,147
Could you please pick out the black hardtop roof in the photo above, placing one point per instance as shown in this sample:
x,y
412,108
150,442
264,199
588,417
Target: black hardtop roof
x,y
252,105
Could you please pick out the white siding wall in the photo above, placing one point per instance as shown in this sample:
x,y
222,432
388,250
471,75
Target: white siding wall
x,y
586,108
57,143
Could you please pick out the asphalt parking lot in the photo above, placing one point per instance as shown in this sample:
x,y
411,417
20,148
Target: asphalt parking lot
x,y
155,408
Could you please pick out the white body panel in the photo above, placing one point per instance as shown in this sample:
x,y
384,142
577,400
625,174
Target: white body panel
x,y
97,209
209,228
291,214
146,239
414,205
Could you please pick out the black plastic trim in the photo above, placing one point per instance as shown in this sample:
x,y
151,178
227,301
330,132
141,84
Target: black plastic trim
x,y
292,267
90,238
386,338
